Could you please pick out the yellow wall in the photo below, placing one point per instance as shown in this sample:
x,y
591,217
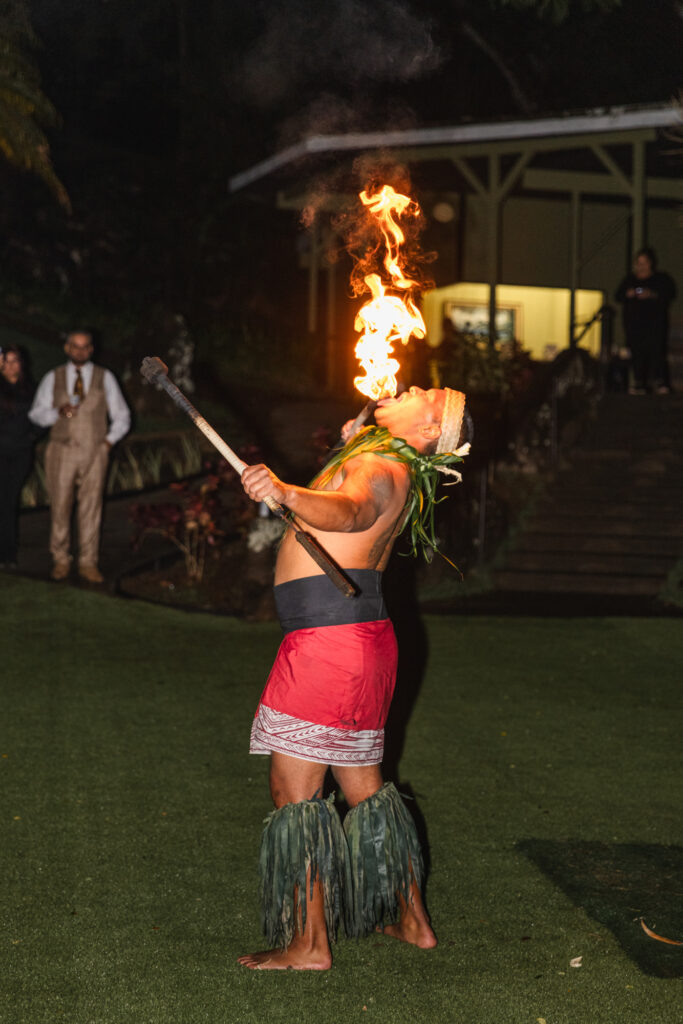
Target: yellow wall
x,y
541,314
536,246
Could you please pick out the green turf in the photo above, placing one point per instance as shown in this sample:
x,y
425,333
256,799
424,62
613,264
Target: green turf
x,y
544,756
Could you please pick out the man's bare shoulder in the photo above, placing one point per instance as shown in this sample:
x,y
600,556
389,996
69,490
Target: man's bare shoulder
x,y
375,462
386,479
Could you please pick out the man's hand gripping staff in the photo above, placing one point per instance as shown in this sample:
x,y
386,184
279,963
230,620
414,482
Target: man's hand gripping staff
x,y
267,487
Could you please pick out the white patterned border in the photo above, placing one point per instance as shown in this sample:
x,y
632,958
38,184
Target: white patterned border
x,y
276,731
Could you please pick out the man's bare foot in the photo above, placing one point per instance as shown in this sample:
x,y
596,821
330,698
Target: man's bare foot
x,y
413,924
290,959
416,934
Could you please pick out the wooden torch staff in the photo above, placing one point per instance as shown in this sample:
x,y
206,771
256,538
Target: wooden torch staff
x,y
156,372
365,414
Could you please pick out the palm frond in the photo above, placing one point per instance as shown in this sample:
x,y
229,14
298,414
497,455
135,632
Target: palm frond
x,y
24,110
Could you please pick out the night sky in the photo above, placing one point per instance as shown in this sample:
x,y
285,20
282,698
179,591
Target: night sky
x,y
161,102
240,79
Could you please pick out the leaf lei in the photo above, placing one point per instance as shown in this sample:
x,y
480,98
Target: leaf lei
x,y
424,476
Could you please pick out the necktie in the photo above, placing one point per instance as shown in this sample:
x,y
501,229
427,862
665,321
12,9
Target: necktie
x,y
78,387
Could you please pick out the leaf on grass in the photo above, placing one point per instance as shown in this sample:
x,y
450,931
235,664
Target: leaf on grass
x,y
659,938
576,962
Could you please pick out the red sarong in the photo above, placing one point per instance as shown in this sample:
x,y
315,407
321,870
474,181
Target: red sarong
x,y
342,676
328,694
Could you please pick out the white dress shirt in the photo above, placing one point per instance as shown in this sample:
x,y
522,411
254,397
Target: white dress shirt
x,y
44,414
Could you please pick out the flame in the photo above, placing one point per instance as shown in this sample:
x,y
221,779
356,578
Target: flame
x,y
386,318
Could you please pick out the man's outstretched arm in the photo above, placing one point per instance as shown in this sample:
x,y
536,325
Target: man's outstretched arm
x,y
365,493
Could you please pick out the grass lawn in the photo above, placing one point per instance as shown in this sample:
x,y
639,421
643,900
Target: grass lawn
x,y
544,756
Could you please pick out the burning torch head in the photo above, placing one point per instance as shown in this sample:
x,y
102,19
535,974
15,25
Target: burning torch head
x,y
391,314
153,369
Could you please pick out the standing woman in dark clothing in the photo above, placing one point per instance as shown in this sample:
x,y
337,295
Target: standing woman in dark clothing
x,y
16,446
646,294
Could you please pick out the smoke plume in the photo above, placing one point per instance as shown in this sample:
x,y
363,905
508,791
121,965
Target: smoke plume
x,y
341,42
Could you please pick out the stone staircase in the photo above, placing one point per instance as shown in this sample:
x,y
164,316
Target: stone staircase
x,y
611,525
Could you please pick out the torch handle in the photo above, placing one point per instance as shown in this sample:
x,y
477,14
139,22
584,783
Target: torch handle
x,y
217,441
234,460
214,437
360,419
326,563
365,413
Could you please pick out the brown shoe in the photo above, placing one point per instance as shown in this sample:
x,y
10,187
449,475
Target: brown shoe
x,y
90,573
60,570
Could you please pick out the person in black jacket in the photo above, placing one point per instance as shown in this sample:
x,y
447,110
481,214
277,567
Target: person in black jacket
x,y
16,446
646,294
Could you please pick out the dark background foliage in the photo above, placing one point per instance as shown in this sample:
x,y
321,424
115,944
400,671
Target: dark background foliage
x,y
161,102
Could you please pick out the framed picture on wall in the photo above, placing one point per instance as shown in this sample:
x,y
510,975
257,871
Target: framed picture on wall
x,y
471,319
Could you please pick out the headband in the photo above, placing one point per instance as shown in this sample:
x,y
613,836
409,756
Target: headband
x,y
451,421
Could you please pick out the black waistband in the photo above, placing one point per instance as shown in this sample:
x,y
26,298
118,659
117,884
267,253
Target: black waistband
x,y
315,601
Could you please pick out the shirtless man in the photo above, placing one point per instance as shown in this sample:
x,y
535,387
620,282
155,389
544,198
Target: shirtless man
x,y
326,702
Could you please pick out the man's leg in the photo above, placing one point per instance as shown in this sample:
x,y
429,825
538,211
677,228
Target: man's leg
x,y
638,362
61,468
660,364
302,865
386,862
90,496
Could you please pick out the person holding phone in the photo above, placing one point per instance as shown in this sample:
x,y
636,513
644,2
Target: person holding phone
x,y
646,294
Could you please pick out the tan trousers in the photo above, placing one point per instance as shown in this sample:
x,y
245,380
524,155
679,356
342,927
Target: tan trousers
x,y
75,469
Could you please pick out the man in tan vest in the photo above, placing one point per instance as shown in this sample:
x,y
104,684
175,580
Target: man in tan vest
x,y
87,414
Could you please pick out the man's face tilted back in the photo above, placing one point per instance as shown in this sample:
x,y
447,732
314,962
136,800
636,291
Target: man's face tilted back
x,y
415,416
78,348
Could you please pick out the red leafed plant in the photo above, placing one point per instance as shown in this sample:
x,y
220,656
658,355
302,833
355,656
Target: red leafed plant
x,y
194,522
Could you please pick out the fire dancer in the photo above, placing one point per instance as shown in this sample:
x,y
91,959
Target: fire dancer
x,y
327,697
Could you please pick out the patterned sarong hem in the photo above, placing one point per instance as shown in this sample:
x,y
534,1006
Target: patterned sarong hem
x,y
284,734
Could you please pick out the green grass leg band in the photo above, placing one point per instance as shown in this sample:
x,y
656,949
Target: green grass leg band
x,y
301,843
385,859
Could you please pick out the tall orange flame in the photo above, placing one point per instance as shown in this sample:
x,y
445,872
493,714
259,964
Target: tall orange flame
x,y
386,318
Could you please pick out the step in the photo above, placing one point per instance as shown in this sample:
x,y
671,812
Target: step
x,y
642,526
624,484
650,464
624,481
581,464
616,563
611,525
612,438
634,494
619,403
578,543
648,511
599,498
577,583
